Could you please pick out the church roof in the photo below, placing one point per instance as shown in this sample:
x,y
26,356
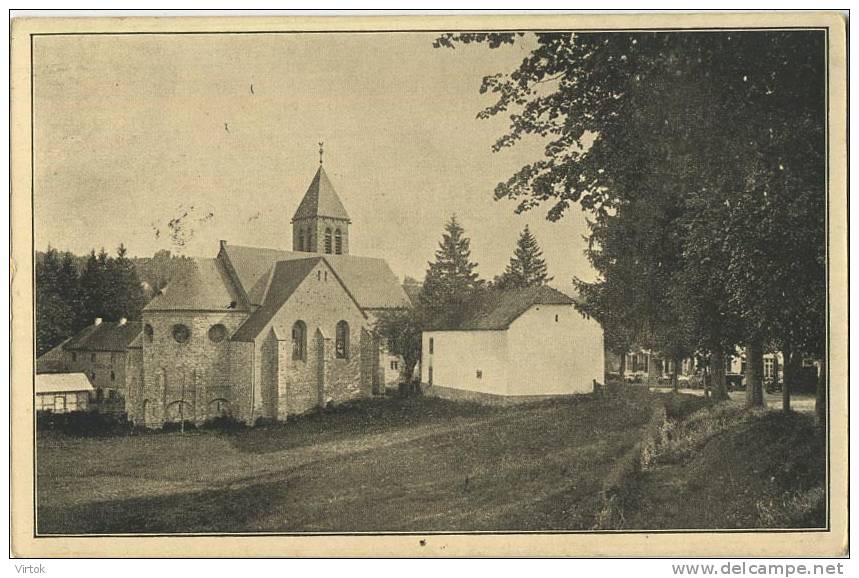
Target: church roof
x,y
285,276
106,336
201,285
496,309
370,281
321,200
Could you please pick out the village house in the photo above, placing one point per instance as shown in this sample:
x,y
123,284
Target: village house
x,y
262,334
99,352
514,345
62,392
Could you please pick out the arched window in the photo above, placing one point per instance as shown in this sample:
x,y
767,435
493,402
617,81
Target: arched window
x,y
328,241
338,242
299,340
309,244
301,239
341,346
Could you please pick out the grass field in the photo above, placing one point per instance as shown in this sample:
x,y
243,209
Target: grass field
x,y
398,464
425,464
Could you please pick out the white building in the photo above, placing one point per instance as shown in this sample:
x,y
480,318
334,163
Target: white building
x,y
515,345
62,392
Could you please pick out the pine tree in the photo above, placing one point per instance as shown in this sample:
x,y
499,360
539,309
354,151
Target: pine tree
x,y
54,317
451,280
128,298
527,267
93,292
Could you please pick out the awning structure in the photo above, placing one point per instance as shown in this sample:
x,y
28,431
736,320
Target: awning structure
x,y
62,383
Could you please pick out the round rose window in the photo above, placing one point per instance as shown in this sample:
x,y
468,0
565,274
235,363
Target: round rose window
x,y
217,333
181,333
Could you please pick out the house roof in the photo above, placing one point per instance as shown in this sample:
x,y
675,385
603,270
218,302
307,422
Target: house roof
x,y
106,336
62,383
202,284
52,360
320,200
497,309
370,281
285,276
413,291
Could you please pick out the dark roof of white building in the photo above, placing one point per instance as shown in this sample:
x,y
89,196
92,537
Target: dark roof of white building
x,y
497,309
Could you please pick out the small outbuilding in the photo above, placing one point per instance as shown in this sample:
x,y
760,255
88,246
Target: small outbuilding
x,y
514,345
63,392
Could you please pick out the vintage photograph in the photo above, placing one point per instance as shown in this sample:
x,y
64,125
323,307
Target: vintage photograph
x,y
368,281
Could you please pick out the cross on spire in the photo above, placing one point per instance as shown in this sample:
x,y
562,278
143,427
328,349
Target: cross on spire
x,y
321,151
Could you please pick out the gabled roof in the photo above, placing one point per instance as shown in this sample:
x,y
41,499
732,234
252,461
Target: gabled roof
x,y
62,383
370,281
320,200
106,336
413,291
53,360
286,276
497,309
201,285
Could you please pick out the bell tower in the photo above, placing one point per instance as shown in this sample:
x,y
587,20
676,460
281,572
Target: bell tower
x,y
321,223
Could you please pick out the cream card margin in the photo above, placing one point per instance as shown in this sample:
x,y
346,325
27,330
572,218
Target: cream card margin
x,y
697,544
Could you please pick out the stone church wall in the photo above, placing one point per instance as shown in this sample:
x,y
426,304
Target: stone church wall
x,y
190,380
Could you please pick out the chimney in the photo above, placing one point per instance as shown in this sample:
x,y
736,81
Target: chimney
x,y
97,321
123,320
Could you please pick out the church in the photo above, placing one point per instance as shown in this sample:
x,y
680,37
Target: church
x,y
262,334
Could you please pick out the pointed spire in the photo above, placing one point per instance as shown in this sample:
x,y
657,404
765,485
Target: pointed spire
x,y
321,150
321,200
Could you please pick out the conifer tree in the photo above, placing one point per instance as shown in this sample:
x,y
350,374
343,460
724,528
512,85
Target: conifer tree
x,y
93,280
55,318
451,280
527,267
128,298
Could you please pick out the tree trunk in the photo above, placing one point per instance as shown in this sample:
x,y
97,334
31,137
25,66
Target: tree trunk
x,y
717,368
707,382
820,401
785,386
754,371
675,361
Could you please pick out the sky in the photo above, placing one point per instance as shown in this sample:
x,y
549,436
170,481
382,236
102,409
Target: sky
x,y
132,131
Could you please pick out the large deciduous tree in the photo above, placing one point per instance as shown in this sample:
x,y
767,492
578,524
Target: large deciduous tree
x,y
706,150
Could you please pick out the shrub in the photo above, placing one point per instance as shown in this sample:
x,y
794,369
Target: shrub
x,y
225,424
84,423
173,426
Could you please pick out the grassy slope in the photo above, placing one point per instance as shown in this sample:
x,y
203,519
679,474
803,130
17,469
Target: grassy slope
x,y
391,465
727,468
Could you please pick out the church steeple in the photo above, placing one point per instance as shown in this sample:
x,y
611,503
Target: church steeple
x,y
321,223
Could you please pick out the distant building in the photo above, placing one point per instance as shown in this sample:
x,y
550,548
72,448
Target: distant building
x,y
62,392
515,345
99,351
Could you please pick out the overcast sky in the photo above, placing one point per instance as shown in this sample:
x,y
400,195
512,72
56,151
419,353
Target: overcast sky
x,y
131,131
